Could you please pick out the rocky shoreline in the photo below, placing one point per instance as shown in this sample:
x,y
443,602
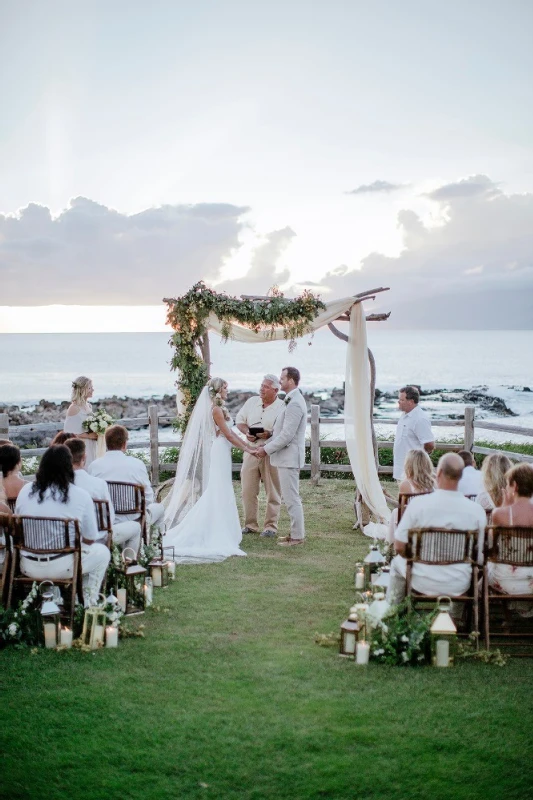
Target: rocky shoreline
x,y
331,402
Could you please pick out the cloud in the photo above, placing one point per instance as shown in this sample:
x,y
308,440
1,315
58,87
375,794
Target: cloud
x,y
483,251
264,269
377,186
91,254
474,186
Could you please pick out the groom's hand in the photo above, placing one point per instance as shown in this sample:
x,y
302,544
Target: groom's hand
x,y
260,452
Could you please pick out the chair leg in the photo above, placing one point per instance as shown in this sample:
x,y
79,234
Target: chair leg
x,y
486,608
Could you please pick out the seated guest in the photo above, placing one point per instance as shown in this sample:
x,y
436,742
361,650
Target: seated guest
x,y
10,466
471,480
517,510
115,465
54,495
4,508
126,534
61,437
494,469
444,508
419,479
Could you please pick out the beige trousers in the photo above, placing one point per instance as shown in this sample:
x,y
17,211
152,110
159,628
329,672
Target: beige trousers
x,y
254,470
290,489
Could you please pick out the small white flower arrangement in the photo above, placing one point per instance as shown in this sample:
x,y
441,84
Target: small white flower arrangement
x,y
98,422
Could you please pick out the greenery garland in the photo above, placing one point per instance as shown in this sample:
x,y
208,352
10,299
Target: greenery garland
x,y
188,316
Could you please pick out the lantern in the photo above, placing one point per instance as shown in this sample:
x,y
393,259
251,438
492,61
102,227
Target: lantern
x,y
443,635
360,610
159,572
382,577
94,625
359,578
169,554
134,576
50,613
372,563
350,630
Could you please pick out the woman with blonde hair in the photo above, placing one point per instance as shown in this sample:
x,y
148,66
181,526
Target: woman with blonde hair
x,y
419,479
493,472
77,413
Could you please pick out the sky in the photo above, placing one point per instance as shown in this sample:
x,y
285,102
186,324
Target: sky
x,y
334,146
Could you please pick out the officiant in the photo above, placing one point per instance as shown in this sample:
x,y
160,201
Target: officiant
x,y
256,420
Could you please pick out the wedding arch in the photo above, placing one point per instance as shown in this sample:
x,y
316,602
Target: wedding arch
x,y
255,319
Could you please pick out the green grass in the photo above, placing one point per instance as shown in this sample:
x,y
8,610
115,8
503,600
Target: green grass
x,y
228,696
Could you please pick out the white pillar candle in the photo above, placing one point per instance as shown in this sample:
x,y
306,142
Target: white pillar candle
x,y
349,643
148,594
50,635
172,568
66,637
121,597
156,576
443,653
363,653
360,580
111,636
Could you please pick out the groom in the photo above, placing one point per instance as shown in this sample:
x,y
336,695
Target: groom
x,y
286,449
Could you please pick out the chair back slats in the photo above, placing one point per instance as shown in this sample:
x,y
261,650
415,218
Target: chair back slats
x,y
127,498
103,515
405,499
471,497
512,546
11,502
441,546
43,535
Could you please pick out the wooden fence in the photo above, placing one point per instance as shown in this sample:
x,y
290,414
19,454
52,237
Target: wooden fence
x,y
468,426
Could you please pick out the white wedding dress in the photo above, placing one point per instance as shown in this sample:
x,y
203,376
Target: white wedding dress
x,y
200,512
74,424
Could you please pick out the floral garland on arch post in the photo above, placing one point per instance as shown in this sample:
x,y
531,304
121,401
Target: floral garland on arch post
x,y
188,315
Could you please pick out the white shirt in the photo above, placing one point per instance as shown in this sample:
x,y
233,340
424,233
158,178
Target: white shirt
x,y
78,506
442,509
117,466
412,433
97,488
471,481
254,414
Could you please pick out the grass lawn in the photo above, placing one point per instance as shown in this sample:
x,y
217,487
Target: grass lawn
x,y
228,696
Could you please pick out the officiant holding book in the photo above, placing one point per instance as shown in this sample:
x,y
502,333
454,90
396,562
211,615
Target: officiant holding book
x,y
256,420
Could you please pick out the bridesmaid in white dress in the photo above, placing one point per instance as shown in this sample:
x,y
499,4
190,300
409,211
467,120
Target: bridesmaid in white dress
x,y
78,411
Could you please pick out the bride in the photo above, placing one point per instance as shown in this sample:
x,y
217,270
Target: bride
x,y
200,512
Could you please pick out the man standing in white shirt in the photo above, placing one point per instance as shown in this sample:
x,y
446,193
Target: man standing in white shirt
x,y
413,431
471,482
444,508
126,534
117,466
260,412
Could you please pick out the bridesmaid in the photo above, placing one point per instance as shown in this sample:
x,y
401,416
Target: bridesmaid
x,y
78,411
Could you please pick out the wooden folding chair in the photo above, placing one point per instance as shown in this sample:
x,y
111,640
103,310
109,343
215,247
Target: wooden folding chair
x,y
103,519
405,499
44,539
128,499
11,502
441,547
6,533
511,546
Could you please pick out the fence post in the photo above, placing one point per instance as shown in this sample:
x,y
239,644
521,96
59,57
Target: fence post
x,y
154,443
4,426
315,444
469,427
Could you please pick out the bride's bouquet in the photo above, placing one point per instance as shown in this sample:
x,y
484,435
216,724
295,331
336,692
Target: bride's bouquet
x,y
98,422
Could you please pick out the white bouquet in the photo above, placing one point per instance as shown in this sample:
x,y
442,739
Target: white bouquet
x,y
97,422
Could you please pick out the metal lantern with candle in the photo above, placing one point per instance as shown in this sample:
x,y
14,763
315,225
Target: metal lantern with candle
x,y
350,631
50,613
372,563
134,576
359,577
381,578
169,555
443,635
158,572
94,623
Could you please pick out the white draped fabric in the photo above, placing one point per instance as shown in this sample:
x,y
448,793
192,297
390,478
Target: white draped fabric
x,y
357,397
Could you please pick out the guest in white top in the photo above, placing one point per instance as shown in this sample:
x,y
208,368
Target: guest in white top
x,y
126,534
77,413
444,508
117,466
493,472
471,482
419,479
54,495
413,431
517,511
260,412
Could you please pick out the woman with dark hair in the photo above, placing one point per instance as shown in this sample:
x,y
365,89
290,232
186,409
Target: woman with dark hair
x,y
54,495
517,510
10,464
